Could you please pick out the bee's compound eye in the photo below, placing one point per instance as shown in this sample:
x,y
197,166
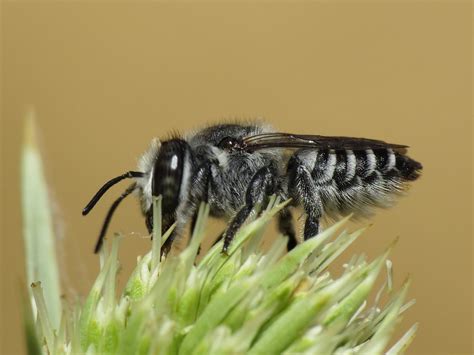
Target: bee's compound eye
x,y
229,143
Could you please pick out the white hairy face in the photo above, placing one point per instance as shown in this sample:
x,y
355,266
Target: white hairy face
x,y
146,164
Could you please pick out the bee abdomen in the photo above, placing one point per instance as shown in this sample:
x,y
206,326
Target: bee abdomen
x,y
408,168
388,163
344,166
350,180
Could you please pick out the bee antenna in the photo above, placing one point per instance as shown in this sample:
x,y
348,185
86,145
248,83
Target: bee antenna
x,y
108,218
108,185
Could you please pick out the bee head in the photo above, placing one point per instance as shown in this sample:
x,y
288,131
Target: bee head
x,y
165,171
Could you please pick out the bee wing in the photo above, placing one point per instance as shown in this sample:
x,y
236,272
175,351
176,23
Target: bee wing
x,y
289,140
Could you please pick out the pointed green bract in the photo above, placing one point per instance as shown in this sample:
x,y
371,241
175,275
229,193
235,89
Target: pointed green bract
x,y
38,235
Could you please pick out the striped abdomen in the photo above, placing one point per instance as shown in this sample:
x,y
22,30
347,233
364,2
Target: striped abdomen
x,y
352,181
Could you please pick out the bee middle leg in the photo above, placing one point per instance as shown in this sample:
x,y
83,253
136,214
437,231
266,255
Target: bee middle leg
x,y
303,190
261,185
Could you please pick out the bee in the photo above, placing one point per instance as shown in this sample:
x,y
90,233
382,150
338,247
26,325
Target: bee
x,y
234,167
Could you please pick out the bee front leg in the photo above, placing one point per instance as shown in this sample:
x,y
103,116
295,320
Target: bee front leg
x,y
188,208
261,185
303,190
285,226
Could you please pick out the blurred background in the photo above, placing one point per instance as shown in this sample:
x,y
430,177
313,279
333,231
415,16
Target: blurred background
x,y
105,78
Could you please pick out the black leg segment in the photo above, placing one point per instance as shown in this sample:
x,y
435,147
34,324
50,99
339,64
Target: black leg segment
x,y
198,192
285,226
261,186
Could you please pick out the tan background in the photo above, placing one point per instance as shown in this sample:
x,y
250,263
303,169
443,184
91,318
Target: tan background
x,y
106,77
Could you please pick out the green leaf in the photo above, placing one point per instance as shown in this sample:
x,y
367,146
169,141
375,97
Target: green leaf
x,y
344,310
290,324
33,346
39,239
380,339
401,345
291,261
215,312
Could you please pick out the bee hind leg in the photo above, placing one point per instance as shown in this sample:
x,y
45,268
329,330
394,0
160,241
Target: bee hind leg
x,y
261,185
303,189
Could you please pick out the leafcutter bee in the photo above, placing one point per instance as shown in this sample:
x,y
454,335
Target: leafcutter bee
x,y
234,167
